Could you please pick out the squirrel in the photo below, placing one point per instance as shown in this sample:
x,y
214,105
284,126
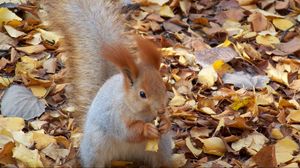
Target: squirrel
x,y
119,120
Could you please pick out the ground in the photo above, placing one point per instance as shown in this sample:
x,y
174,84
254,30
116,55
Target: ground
x,y
231,69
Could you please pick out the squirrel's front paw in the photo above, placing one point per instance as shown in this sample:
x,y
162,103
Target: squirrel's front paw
x,y
150,131
164,125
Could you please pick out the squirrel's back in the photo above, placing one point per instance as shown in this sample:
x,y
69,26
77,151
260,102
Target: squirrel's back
x,y
86,25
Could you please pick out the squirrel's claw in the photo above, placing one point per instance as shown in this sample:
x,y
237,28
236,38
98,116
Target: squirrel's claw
x,y
164,125
150,131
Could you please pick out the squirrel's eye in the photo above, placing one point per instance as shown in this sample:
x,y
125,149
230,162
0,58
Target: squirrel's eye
x,y
143,94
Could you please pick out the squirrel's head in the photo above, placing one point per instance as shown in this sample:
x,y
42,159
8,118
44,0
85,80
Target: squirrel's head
x,y
145,92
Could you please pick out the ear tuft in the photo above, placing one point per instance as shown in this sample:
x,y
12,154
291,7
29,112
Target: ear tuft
x,y
149,53
121,57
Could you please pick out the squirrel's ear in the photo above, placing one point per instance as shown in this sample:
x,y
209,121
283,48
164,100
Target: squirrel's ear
x,y
149,53
121,57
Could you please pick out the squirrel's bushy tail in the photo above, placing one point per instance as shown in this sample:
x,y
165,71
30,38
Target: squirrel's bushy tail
x,y
86,25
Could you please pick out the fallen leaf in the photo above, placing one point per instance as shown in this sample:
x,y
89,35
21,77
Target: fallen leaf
x,y
19,101
13,32
30,158
32,49
294,116
284,150
267,40
266,157
277,75
177,100
244,80
196,152
207,76
6,15
49,36
291,46
25,139
214,146
54,152
258,21
38,91
208,57
166,11
200,132
41,139
253,143
179,159
159,2
282,24
12,123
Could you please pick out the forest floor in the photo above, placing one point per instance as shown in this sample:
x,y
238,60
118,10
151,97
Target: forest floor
x,y
232,70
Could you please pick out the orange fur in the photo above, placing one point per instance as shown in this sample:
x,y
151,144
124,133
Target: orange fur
x,y
149,53
121,57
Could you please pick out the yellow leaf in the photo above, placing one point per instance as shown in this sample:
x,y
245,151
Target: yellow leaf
x,y
276,133
267,40
207,76
38,91
284,150
226,43
207,110
239,102
7,15
32,49
13,32
42,140
5,81
23,138
159,2
179,159
277,75
294,116
30,158
49,36
264,99
253,143
152,145
196,152
166,11
214,146
178,100
12,123
283,24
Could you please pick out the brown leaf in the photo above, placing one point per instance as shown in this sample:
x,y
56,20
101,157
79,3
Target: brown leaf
x,y
258,21
266,157
291,46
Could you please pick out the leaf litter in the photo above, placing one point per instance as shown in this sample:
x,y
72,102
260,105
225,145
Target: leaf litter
x,y
231,69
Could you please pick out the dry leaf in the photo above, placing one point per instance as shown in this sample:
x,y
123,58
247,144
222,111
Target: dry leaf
x,y
253,143
282,24
12,123
30,158
6,15
284,150
13,32
32,49
207,76
19,101
54,152
214,146
267,40
179,159
166,11
196,152
244,80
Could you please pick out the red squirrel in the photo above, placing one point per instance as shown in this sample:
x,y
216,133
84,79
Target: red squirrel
x,y
120,113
